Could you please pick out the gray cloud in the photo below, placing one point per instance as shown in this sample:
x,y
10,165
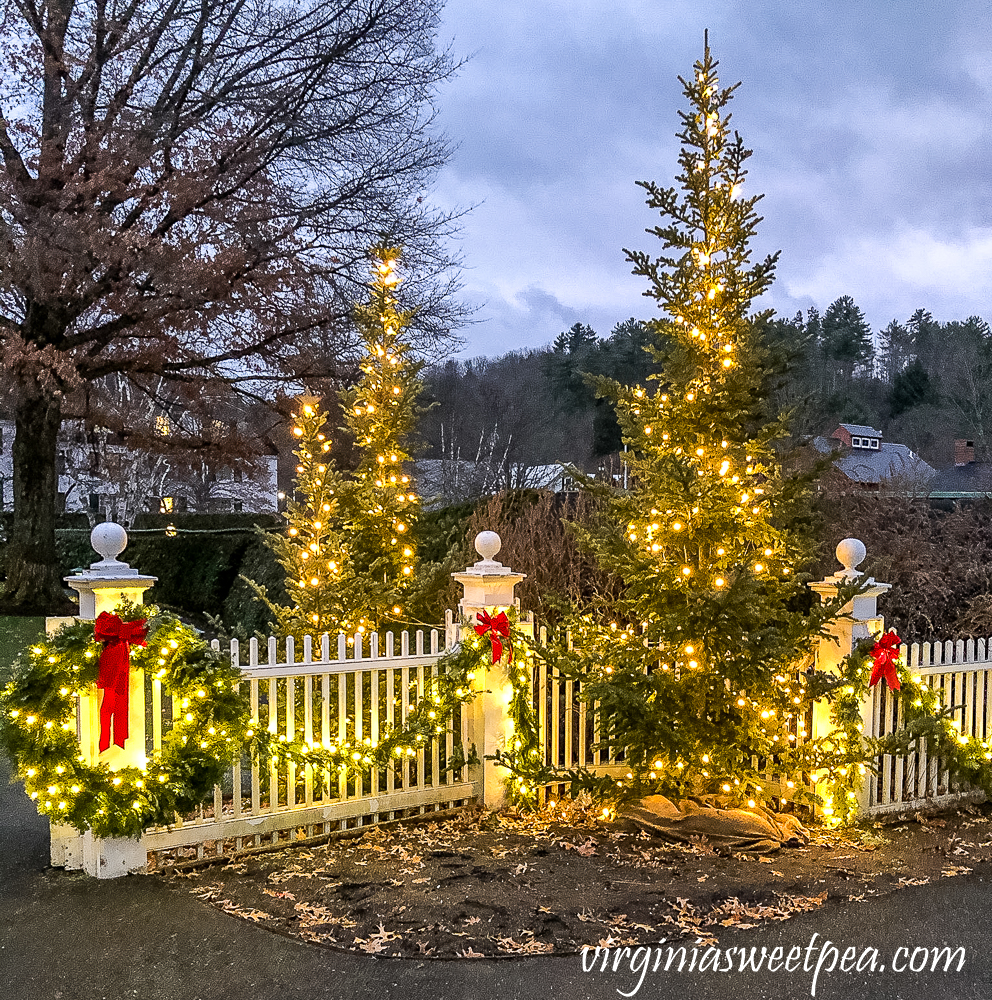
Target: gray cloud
x,y
870,125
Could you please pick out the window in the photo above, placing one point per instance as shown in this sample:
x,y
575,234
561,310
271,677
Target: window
x,y
874,443
165,505
855,442
162,425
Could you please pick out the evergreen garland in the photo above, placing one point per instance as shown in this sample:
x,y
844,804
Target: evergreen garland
x,y
430,719
842,759
211,730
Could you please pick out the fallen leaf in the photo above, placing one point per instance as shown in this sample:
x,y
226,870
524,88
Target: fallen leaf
x,y
953,870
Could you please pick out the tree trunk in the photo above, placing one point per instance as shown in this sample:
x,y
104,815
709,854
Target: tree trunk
x,y
34,585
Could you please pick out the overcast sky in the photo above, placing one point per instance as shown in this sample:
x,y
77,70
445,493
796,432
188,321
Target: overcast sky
x,y
870,125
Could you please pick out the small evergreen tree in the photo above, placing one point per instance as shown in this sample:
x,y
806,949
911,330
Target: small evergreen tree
x,y
696,675
380,502
313,552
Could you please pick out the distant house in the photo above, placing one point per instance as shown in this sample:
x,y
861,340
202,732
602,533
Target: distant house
x,y
966,479
870,462
445,481
110,481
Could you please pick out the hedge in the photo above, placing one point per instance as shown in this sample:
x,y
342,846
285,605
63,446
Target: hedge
x,y
201,568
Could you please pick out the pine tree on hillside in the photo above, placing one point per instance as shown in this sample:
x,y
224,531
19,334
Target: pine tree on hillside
x,y
847,341
380,502
896,350
697,674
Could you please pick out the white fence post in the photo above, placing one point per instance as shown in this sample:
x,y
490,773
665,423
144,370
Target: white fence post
x,y
860,620
488,586
101,588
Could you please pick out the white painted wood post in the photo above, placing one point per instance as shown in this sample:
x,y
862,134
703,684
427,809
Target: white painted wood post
x,y
101,588
488,586
862,621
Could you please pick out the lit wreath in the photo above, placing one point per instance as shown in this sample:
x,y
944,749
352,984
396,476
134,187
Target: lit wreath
x,y
38,727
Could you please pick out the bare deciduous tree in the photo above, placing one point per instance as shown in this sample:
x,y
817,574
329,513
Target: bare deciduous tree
x,y
186,192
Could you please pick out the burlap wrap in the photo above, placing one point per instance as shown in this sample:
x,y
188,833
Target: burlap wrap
x,y
757,831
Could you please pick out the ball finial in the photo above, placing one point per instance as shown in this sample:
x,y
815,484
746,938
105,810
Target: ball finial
x,y
851,552
487,544
109,539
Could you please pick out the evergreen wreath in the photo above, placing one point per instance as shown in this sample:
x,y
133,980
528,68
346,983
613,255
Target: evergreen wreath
x,y
38,727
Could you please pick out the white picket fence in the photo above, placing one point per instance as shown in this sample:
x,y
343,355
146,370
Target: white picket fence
x,y
960,672
371,686
322,696
568,727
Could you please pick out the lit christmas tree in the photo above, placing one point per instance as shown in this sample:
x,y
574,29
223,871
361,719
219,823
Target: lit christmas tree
x,y
381,504
697,675
313,553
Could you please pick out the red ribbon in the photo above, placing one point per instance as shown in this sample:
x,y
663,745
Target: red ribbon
x,y
886,654
117,637
498,630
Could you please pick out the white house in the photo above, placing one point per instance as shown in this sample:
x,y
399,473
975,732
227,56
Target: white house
x,y
110,481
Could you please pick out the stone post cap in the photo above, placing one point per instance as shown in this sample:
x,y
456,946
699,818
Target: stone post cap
x,y
850,553
487,544
109,540
487,583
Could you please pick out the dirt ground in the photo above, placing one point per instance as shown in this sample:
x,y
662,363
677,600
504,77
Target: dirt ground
x,y
485,884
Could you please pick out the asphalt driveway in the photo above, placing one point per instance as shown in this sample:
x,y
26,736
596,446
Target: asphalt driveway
x,y
65,936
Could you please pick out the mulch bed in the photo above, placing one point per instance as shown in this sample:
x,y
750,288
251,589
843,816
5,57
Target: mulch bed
x,y
502,884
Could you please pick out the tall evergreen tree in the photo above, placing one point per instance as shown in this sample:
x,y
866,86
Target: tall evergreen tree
x,y
571,358
380,504
927,340
896,350
911,387
696,674
847,342
313,552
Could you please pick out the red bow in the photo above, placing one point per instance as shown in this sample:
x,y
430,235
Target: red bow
x,y
498,629
886,654
115,660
